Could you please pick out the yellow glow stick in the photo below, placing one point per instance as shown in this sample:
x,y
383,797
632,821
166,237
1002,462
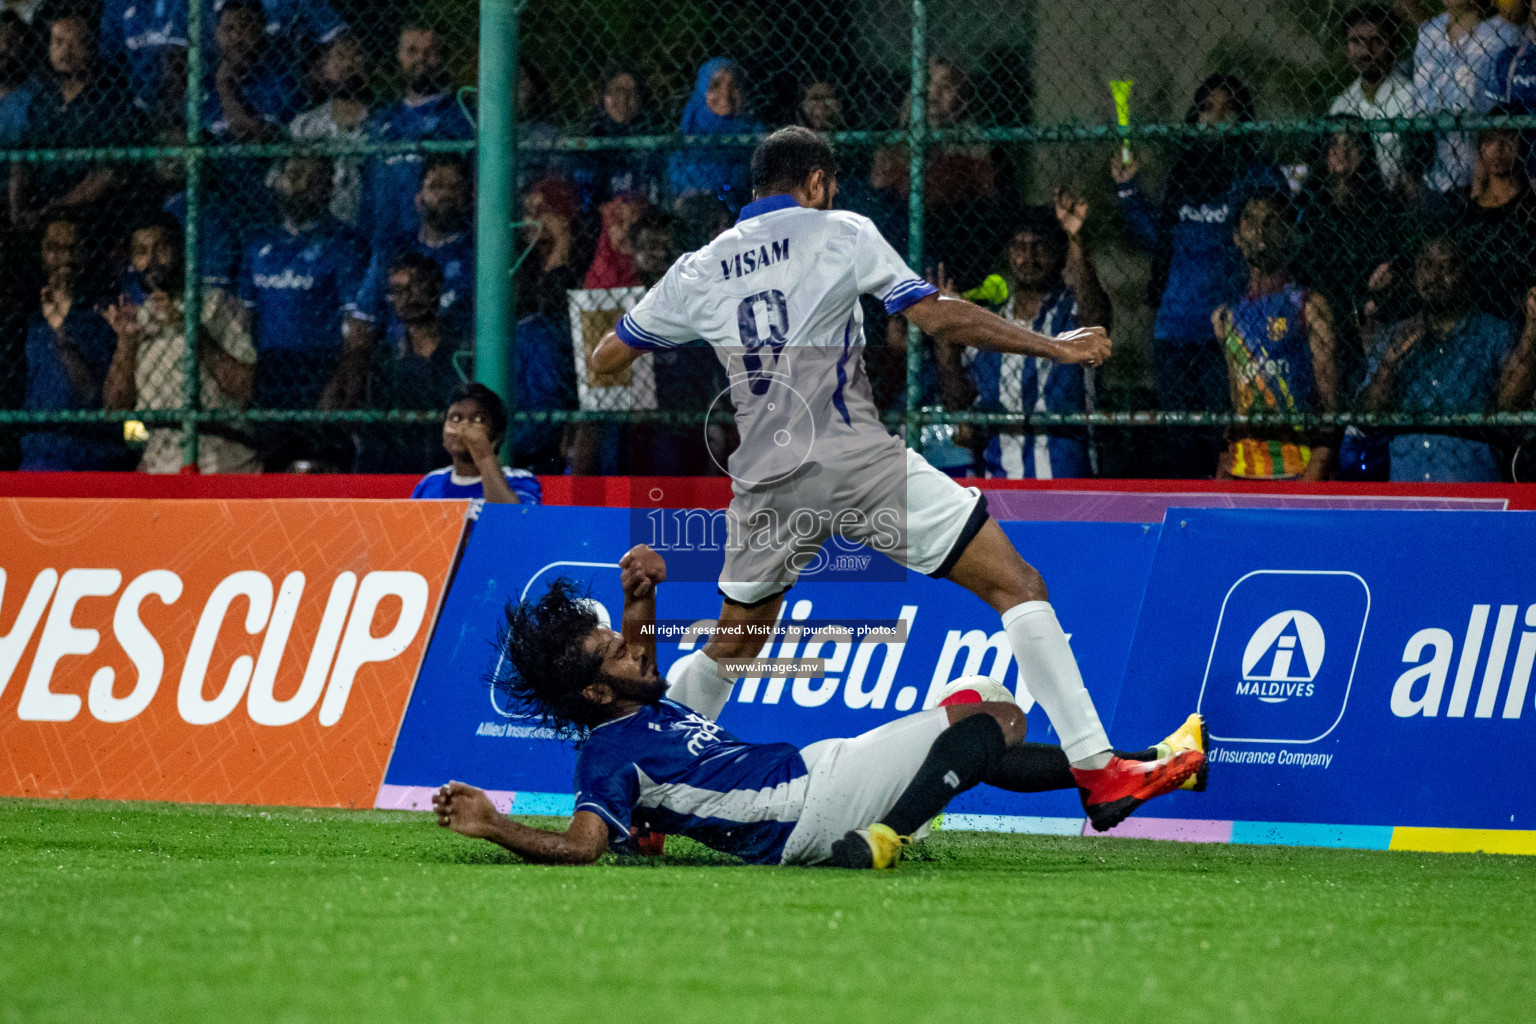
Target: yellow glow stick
x,y
1122,93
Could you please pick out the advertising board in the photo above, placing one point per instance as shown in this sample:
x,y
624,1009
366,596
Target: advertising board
x,y
212,651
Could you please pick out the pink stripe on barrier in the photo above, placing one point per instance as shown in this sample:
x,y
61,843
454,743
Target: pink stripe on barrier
x,y
1134,507
419,798
1185,830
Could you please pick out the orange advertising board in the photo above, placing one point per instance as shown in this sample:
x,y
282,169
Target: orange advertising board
x,y
213,651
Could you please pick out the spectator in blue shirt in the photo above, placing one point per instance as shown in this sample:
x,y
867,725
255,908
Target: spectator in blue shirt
x,y
1447,358
69,350
149,37
253,95
296,278
428,110
473,427
251,98
418,369
19,62
1196,264
623,108
218,246
76,105
444,206
545,381
143,37
1512,82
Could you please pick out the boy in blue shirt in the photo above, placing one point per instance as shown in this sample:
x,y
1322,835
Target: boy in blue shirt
x,y
473,427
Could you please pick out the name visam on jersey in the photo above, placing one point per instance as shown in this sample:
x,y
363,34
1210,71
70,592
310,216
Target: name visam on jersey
x,y
777,296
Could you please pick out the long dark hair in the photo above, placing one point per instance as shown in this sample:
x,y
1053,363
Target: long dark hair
x,y
643,123
1368,187
544,665
1207,167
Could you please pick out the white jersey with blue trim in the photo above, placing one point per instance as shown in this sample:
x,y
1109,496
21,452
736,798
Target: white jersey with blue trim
x,y
777,296
669,769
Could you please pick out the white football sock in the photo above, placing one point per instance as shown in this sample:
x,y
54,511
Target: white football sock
x,y
694,683
1048,670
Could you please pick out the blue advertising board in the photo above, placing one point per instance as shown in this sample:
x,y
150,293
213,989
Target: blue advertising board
x,y
1358,671
452,728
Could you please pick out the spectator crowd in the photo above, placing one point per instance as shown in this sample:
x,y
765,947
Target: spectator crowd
x,y
1392,273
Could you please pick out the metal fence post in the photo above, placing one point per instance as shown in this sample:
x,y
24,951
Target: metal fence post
x,y
496,182
917,133
192,274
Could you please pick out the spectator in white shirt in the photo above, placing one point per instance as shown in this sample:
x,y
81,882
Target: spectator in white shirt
x,y
1383,90
344,72
1452,66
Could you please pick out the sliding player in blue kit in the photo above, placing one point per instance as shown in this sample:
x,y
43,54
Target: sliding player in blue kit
x,y
652,758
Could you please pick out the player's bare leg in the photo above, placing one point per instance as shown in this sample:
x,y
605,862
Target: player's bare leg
x,y
1111,787
695,679
991,569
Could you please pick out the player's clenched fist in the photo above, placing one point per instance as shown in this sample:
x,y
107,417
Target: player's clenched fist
x,y
1089,345
640,570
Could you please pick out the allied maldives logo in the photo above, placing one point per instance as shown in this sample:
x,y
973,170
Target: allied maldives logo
x,y
1283,658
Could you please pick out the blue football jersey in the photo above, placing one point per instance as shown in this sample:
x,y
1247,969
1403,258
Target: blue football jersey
x,y
299,283
269,90
390,182
445,483
138,32
669,769
219,247
456,259
49,387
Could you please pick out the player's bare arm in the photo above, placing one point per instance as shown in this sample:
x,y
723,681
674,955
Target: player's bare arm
x,y
612,355
956,321
640,570
469,812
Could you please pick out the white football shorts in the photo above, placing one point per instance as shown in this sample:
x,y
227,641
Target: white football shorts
x,y
886,496
855,782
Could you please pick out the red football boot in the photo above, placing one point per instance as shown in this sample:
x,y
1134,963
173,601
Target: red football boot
x,y
1111,793
648,843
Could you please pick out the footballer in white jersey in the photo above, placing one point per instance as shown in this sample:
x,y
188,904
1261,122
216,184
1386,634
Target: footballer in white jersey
x,y
777,297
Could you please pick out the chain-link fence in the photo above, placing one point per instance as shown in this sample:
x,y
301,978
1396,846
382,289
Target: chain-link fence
x,y
1308,225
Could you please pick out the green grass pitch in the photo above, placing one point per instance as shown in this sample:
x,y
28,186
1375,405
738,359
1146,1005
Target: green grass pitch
x,y
155,912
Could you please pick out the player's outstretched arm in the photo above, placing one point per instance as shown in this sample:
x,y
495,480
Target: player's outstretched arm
x,y
640,570
964,323
612,355
469,812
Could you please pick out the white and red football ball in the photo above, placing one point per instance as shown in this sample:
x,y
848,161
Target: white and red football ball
x,y
974,690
